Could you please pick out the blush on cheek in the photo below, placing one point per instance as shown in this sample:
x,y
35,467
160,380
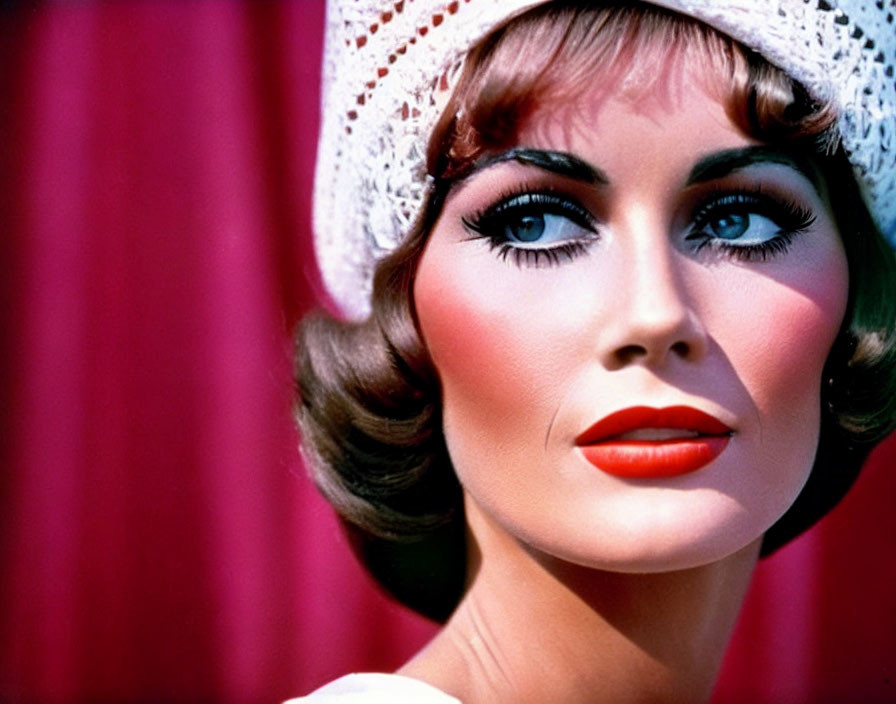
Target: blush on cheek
x,y
799,330
470,348
480,331
495,347
813,315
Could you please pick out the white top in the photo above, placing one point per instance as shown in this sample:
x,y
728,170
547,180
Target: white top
x,y
376,688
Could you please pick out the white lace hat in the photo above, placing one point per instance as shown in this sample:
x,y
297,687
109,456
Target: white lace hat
x,y
389,67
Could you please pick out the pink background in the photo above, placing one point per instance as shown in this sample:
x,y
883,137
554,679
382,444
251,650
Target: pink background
x,y
159,540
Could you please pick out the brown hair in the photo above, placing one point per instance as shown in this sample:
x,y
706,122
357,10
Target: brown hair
x,y
369,406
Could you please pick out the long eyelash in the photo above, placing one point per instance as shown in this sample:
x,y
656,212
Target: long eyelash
x,y
792,218
558,254
484,219
751,253
795,216
487,224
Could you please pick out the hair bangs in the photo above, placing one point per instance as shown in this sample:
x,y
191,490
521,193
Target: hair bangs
x,y
554,55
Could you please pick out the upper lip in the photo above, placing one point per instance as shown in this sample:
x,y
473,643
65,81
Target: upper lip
x,y
638,417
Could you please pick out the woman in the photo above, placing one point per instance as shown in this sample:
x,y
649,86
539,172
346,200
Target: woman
x,y
639,329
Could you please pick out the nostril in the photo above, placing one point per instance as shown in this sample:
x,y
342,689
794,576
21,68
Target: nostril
x,y
630,353
682,349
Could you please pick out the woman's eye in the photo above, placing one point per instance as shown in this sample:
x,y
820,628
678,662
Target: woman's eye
x,y
535,228
542,229
749,226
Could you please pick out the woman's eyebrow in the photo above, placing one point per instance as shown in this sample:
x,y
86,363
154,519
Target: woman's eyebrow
x,y
720,164
556,162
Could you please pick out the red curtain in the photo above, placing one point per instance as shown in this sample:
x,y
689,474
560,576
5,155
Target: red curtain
x,y
159,540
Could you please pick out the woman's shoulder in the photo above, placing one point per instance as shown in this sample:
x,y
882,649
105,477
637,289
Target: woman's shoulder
x,y
376,688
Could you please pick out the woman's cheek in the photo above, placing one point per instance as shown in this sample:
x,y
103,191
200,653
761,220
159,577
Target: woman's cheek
x,y
780,349
482,355
502,349
485,323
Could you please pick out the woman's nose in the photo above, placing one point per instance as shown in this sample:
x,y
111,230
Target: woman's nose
x,y
654,319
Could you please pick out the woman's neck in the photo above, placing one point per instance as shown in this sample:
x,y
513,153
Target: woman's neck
x,y
529,630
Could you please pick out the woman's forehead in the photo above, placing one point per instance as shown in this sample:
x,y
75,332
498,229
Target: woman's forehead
x,y
651,82
682,103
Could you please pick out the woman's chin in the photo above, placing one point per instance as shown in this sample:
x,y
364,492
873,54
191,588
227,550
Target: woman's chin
x,y
654,546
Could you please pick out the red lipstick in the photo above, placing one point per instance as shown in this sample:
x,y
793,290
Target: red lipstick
x,y
650,443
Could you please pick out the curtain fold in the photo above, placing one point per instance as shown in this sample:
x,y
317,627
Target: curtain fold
x,y
159,538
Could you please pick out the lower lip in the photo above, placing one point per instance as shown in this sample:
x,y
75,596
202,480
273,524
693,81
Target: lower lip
x,y
641,459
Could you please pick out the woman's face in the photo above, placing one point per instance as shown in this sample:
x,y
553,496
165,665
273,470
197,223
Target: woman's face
x,y
633,256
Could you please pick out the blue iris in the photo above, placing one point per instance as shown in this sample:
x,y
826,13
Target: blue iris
x,y
529,228
730,226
